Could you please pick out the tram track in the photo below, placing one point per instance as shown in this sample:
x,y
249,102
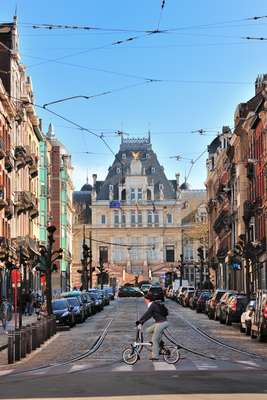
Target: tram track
x,y
93,349
217,341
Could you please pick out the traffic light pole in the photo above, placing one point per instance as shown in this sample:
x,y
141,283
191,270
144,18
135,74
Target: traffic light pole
x,y
49,274
90,262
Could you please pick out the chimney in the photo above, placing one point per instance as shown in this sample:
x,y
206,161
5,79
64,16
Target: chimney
x,y
94,179
177,176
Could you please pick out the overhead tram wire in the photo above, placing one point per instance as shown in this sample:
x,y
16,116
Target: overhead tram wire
x,y
129,246
161,12
89,28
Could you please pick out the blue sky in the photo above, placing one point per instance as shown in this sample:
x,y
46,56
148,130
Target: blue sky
x,y
206,47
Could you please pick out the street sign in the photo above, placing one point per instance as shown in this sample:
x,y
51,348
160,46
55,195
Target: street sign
x,y
236,266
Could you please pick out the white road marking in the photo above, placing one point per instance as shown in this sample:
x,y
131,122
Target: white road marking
x,y
163,366
204,366
250,363
123,368
77,367
6,372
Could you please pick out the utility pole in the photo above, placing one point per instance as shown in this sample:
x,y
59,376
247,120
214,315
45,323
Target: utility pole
x,y
200,252
181,269
85,263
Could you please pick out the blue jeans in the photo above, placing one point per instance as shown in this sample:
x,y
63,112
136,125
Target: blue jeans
x,y
157,330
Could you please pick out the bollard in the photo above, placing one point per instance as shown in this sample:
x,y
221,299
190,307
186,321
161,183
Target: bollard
x,y
22,343
38,335
34,337
28,339
11,347
17,345
54,325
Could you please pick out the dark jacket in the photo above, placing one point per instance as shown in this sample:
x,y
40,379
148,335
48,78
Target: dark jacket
x,y
154,311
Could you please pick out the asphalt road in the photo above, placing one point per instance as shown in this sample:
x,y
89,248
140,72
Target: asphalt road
x,y
229,371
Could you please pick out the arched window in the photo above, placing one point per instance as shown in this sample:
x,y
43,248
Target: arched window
x,y
123,194
148,194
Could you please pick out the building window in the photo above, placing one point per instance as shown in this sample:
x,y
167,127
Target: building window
x,y
116,217
132,194
169,218
118,170
139,218
188,249
149,218
123,156
103,219
156,218
133,219
103,254
153,170
147,155
161,187
169,253
43,190
139,194
123,219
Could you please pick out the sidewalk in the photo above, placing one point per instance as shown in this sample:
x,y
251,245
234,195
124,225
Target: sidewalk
x,y
11,325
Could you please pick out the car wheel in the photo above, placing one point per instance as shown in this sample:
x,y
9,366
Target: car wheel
x,y
228,320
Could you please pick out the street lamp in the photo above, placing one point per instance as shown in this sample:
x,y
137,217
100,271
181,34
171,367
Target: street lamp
x,y
49,257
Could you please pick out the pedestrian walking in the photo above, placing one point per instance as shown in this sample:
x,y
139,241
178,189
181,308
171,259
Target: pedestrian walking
x,y
5,313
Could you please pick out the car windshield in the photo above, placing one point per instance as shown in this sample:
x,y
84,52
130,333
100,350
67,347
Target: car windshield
x,y
59,305
73,301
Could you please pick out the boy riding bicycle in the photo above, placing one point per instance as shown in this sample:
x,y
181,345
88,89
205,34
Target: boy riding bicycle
x,y
158,311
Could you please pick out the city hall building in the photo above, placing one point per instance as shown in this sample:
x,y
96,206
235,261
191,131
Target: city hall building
x,y
137,218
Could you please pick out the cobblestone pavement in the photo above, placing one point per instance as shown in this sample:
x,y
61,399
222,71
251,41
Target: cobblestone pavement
x,y
123,313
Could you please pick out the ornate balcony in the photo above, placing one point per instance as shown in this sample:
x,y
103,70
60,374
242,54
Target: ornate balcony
x,y
29,157
3,201
24,201
4,246
9,209
33,168
9,162
2,149
20,156
223,222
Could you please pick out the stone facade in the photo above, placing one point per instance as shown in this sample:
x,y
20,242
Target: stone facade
x,y
136,217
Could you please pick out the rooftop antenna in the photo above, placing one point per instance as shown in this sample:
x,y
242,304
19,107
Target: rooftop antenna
x,y
15,14
87,178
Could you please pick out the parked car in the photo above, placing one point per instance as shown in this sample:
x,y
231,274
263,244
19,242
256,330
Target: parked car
x,y
182,292
220,310
64,312
246,317
214,300
145,287
194,298
259,317
128,291
235,306
77,308
188,295
156,292
88,303
169,292
201,301
77,294
111,292
96,296
106,299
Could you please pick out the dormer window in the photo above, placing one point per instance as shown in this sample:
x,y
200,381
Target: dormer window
x,y
161,186
123,156
118,170
111,188
153,170
147,155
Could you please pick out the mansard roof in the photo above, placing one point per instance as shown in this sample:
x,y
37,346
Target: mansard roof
x,y
150,168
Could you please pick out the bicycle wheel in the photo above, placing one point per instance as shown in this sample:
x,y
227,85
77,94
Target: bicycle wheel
x,y
171,354
130,356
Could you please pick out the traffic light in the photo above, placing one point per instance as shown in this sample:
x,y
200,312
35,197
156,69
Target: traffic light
x,y
200,253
